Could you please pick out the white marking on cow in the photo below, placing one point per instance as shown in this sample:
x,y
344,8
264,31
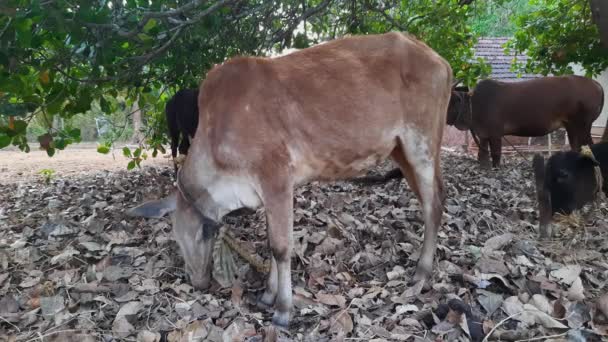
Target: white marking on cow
x,y
186,243
233,192
419,156
227,192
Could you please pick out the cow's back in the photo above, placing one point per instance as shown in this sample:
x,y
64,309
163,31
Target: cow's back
x,y
536,107
310,106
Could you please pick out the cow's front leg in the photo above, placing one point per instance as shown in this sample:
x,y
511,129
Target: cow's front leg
x,y
272,283
278,201
483,156
495,151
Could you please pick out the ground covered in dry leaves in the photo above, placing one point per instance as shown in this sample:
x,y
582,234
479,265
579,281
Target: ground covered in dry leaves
x,y
74,267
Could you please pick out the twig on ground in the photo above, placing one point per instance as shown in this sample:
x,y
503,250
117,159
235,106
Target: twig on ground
x,y
485,339
7,321
544,338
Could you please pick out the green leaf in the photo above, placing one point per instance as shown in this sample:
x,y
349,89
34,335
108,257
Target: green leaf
x,y
103,149
150,25
61,143
144,37
83,103
16,109
126,152
20,127
105,105
74,133
131,165
50,151
5,140
137,152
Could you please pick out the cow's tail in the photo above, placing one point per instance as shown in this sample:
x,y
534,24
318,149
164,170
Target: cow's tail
x,y
368,180
171,117
543,197
601,107
475,138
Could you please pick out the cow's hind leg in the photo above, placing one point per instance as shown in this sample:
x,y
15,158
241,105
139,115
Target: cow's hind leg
x,y
579,135
422,172
495,150
277,196
586,135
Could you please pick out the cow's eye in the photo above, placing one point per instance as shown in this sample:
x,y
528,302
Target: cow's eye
x,y
563,176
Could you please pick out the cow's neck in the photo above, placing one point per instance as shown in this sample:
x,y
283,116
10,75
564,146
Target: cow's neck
x,y
215,193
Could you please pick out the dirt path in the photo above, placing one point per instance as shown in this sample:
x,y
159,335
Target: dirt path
x,y
75,159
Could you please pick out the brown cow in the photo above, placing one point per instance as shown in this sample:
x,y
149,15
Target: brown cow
x,y
328,112
530,109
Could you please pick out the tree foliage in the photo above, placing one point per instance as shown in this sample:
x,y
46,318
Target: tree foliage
x,y
557,34
494,18
58,57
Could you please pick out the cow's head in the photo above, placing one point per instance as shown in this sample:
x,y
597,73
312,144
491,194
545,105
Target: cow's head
x,y
194,228
567,182
459,109
571,177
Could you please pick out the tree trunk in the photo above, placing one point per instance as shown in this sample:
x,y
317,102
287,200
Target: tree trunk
x,y
137,118
599,13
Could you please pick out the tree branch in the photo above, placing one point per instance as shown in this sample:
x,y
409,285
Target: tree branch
x,y
149,56
281,34
8,23
204,13
146,58
169,15
393,21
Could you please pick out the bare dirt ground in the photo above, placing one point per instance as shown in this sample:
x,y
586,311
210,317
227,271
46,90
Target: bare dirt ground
x,y
75,159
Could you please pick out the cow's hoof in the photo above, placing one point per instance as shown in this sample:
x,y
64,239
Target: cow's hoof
x,y
281,320
265,301
422,274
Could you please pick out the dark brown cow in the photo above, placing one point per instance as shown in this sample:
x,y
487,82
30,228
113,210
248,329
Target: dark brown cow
x,y
328,112
531,108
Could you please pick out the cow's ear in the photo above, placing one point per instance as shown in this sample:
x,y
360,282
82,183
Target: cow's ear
x,y
588,160
156,208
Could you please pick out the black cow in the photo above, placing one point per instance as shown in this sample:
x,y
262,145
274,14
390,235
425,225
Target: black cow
x,y
182,118
568,181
